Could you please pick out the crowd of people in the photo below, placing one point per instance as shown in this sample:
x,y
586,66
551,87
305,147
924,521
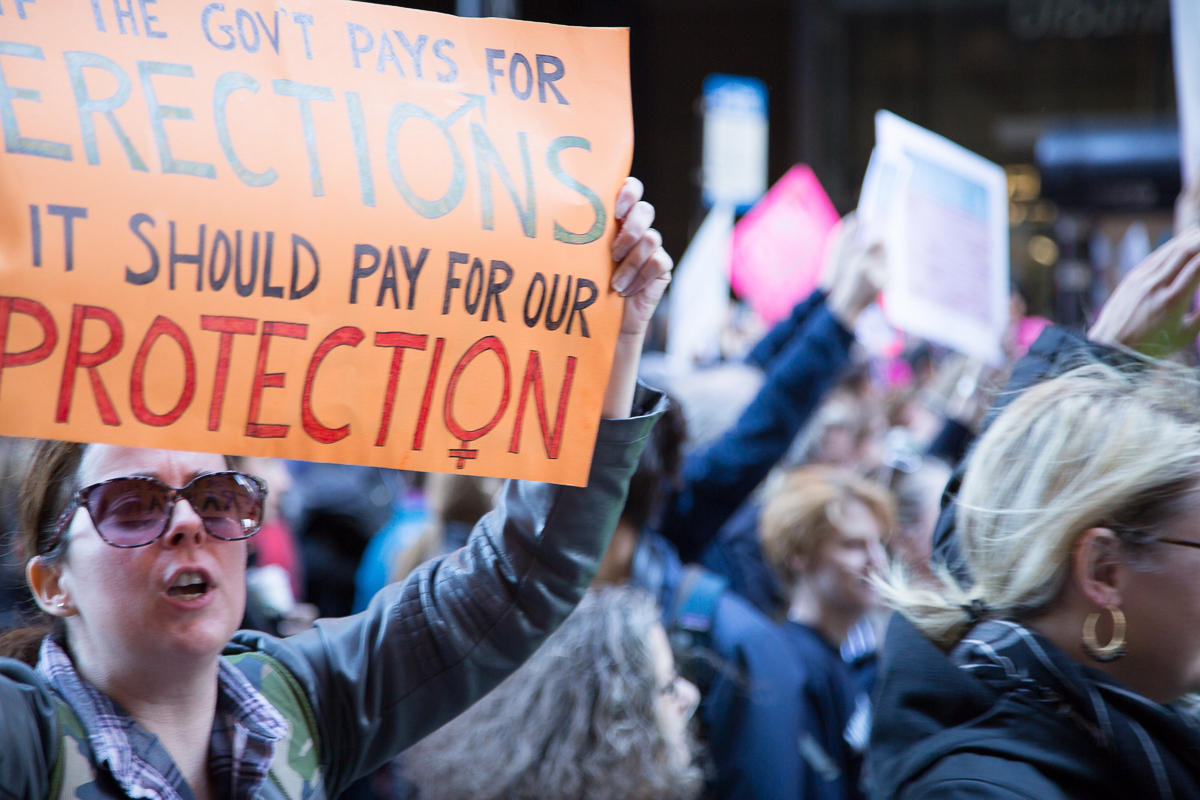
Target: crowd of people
x,y
918,578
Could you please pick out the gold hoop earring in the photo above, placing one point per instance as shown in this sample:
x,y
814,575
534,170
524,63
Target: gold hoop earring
x,y
1116,645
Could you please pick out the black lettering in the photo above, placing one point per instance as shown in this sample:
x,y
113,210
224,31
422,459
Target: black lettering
x,y
35,232
414,51
142,278
413,272
452,74
298,242
219,241
472,305
537,278
273,39
579,305
268,289
546,78
494,288
354,30
389,280
69,214
520,60
125,14
247,288
452,282
553,324
196,258
241,15
359,271
304,21
492,72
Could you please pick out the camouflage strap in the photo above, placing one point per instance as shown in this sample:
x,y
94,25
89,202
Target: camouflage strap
x,y
296,766
67,721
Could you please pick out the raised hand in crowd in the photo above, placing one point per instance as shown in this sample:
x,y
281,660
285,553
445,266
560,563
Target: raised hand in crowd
x,y
853,274
642,275
1149,310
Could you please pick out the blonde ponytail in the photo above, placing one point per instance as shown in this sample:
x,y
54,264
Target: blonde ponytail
x,y
1096,447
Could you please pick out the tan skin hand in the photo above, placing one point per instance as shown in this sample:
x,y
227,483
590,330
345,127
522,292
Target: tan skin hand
x,y
853,275
642,275
1148,311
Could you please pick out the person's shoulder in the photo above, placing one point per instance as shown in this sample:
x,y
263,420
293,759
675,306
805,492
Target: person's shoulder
x,y
739,627
29,732
978,776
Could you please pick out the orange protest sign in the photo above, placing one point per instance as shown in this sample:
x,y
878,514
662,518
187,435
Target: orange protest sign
x,y
335,232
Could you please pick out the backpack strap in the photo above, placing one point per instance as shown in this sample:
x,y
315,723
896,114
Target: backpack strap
x,y
69,727
296,765
690,624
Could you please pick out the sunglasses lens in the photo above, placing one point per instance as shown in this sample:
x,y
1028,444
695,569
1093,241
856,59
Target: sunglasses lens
x,y
128,513
230,504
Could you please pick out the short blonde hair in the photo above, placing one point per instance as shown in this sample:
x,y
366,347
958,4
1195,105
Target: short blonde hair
x,y
801,514
1096,447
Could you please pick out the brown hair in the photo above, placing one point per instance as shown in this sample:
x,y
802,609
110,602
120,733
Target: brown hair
x,y
451,498
46,491
799,516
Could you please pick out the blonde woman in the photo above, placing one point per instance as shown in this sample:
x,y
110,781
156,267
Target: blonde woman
x,y
1058,670
823,530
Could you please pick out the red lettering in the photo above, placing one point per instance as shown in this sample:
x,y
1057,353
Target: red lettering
x,y
264,379
347,335
31,308
460,433
533,377
427,400
228,326
401,342
77,360
137,387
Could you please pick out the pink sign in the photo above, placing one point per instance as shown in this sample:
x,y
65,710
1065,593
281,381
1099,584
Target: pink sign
x,y
778,246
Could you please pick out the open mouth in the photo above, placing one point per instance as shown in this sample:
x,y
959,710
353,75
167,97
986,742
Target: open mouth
x,y
188,585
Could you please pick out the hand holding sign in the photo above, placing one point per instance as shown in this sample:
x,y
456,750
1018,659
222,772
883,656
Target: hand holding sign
x,y
854,272
641,278
345,232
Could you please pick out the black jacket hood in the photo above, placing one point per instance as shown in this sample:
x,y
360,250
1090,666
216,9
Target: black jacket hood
x,y
926,709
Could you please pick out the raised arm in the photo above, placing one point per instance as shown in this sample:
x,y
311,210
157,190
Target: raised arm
x,y
719,477
1148,313
426,649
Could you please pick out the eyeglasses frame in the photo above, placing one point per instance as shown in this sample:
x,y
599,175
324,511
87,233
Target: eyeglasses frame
x,y
80,498
1182,542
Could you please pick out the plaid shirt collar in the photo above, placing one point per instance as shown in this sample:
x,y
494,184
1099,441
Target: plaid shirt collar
x,y
244,733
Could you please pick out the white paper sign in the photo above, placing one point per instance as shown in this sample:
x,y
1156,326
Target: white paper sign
x,y
1185,36
699,297
942,213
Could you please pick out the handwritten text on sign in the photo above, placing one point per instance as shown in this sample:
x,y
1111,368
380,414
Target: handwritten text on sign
x,y
333,231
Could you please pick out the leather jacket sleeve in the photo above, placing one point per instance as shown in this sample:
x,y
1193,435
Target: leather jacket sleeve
x,y
427,648
29,736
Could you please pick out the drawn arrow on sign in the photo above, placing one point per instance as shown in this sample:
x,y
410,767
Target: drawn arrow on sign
x,y
473,100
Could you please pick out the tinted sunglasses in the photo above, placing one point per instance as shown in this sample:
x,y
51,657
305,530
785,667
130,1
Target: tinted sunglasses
x,y
136,510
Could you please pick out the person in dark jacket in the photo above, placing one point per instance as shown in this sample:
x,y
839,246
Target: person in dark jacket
x,y
1054,663
133,689
823,530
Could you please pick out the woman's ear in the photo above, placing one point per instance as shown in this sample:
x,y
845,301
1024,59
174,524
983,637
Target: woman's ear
x,y
796,565
46,583
1097,565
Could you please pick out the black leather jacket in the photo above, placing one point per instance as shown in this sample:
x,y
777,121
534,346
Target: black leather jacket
x,y
423,651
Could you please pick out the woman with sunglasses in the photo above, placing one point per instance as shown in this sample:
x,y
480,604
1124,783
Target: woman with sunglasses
x,y
133,689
